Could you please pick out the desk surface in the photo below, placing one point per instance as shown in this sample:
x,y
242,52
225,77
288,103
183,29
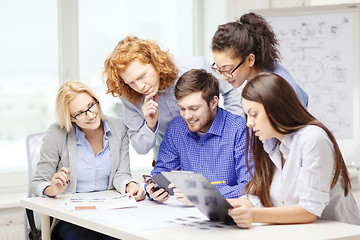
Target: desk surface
x,y
130,223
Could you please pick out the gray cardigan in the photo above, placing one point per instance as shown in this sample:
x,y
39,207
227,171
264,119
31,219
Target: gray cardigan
x,y
59,150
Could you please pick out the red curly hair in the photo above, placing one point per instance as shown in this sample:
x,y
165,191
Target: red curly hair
x,y
148,52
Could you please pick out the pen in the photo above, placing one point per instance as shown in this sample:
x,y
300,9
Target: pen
x,y
218,182
67,173
62,165
181,171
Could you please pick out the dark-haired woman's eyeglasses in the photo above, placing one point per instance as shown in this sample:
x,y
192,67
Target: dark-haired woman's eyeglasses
x,y
227,73
81,115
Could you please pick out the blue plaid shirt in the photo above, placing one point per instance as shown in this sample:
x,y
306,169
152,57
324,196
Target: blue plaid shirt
x,y
219,154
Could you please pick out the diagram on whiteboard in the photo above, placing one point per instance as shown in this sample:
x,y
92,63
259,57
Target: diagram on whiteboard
x,y
317,51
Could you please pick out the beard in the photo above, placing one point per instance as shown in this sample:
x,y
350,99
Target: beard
x,y
203,125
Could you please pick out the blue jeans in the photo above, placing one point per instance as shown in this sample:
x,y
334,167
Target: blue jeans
x,y
68,231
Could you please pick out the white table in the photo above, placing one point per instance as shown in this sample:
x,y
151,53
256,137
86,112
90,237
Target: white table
x,y
134,223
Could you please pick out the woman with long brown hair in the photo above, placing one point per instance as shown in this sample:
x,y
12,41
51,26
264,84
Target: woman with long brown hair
x,y
300,174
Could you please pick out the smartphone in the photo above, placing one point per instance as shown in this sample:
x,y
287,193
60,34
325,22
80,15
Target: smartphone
x,y
148,179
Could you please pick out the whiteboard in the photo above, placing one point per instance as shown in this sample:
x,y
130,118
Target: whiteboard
x,y
319,46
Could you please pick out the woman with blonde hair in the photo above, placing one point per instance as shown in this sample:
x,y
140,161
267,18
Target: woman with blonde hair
x,y
300,174
143,75
93,147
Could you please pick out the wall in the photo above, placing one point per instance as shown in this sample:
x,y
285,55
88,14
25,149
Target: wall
x,y
217,12
11,214
222,11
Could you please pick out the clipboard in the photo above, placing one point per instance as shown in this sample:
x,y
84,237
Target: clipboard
x,y
197,188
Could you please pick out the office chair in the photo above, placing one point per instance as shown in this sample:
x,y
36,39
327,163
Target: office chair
x,y
33,145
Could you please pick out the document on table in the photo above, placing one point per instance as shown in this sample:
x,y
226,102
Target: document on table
x,y
152,215
99,203
146,214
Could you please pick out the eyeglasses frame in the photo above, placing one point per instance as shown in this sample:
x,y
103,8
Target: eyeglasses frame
x,y
230,72
86,111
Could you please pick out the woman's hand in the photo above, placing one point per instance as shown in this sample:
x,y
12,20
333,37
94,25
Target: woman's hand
x,y
180,196
135,191
150,110
242,216
59,182
160,195
239,201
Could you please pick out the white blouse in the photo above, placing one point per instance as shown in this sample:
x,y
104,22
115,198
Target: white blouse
x,y
306,176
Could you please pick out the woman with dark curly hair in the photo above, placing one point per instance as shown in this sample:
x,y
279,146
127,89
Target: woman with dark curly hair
x,y
247,47
143,75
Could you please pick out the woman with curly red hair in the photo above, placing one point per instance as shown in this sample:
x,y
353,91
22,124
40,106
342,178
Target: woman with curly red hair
x,y
143,75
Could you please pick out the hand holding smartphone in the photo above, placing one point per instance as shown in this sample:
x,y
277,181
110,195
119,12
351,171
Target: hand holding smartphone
x,y
148,179
160,181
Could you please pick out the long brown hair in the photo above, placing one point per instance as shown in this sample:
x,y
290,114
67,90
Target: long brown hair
x,y
286,115
250,34
146,51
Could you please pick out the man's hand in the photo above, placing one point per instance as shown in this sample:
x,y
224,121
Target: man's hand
x,y
160,195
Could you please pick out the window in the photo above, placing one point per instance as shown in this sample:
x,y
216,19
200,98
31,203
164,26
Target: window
x,y
102,24
28,75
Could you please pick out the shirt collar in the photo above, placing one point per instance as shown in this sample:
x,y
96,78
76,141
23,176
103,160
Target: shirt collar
x,y
79,133
287,140
269,145
167,90
107,130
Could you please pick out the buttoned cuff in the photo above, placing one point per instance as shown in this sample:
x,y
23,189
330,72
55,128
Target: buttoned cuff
x,y
44,195
148,132
255,201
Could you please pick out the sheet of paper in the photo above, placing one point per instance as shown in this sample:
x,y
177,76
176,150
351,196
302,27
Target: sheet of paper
x,y
171,213
125,211
197,223
99,203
